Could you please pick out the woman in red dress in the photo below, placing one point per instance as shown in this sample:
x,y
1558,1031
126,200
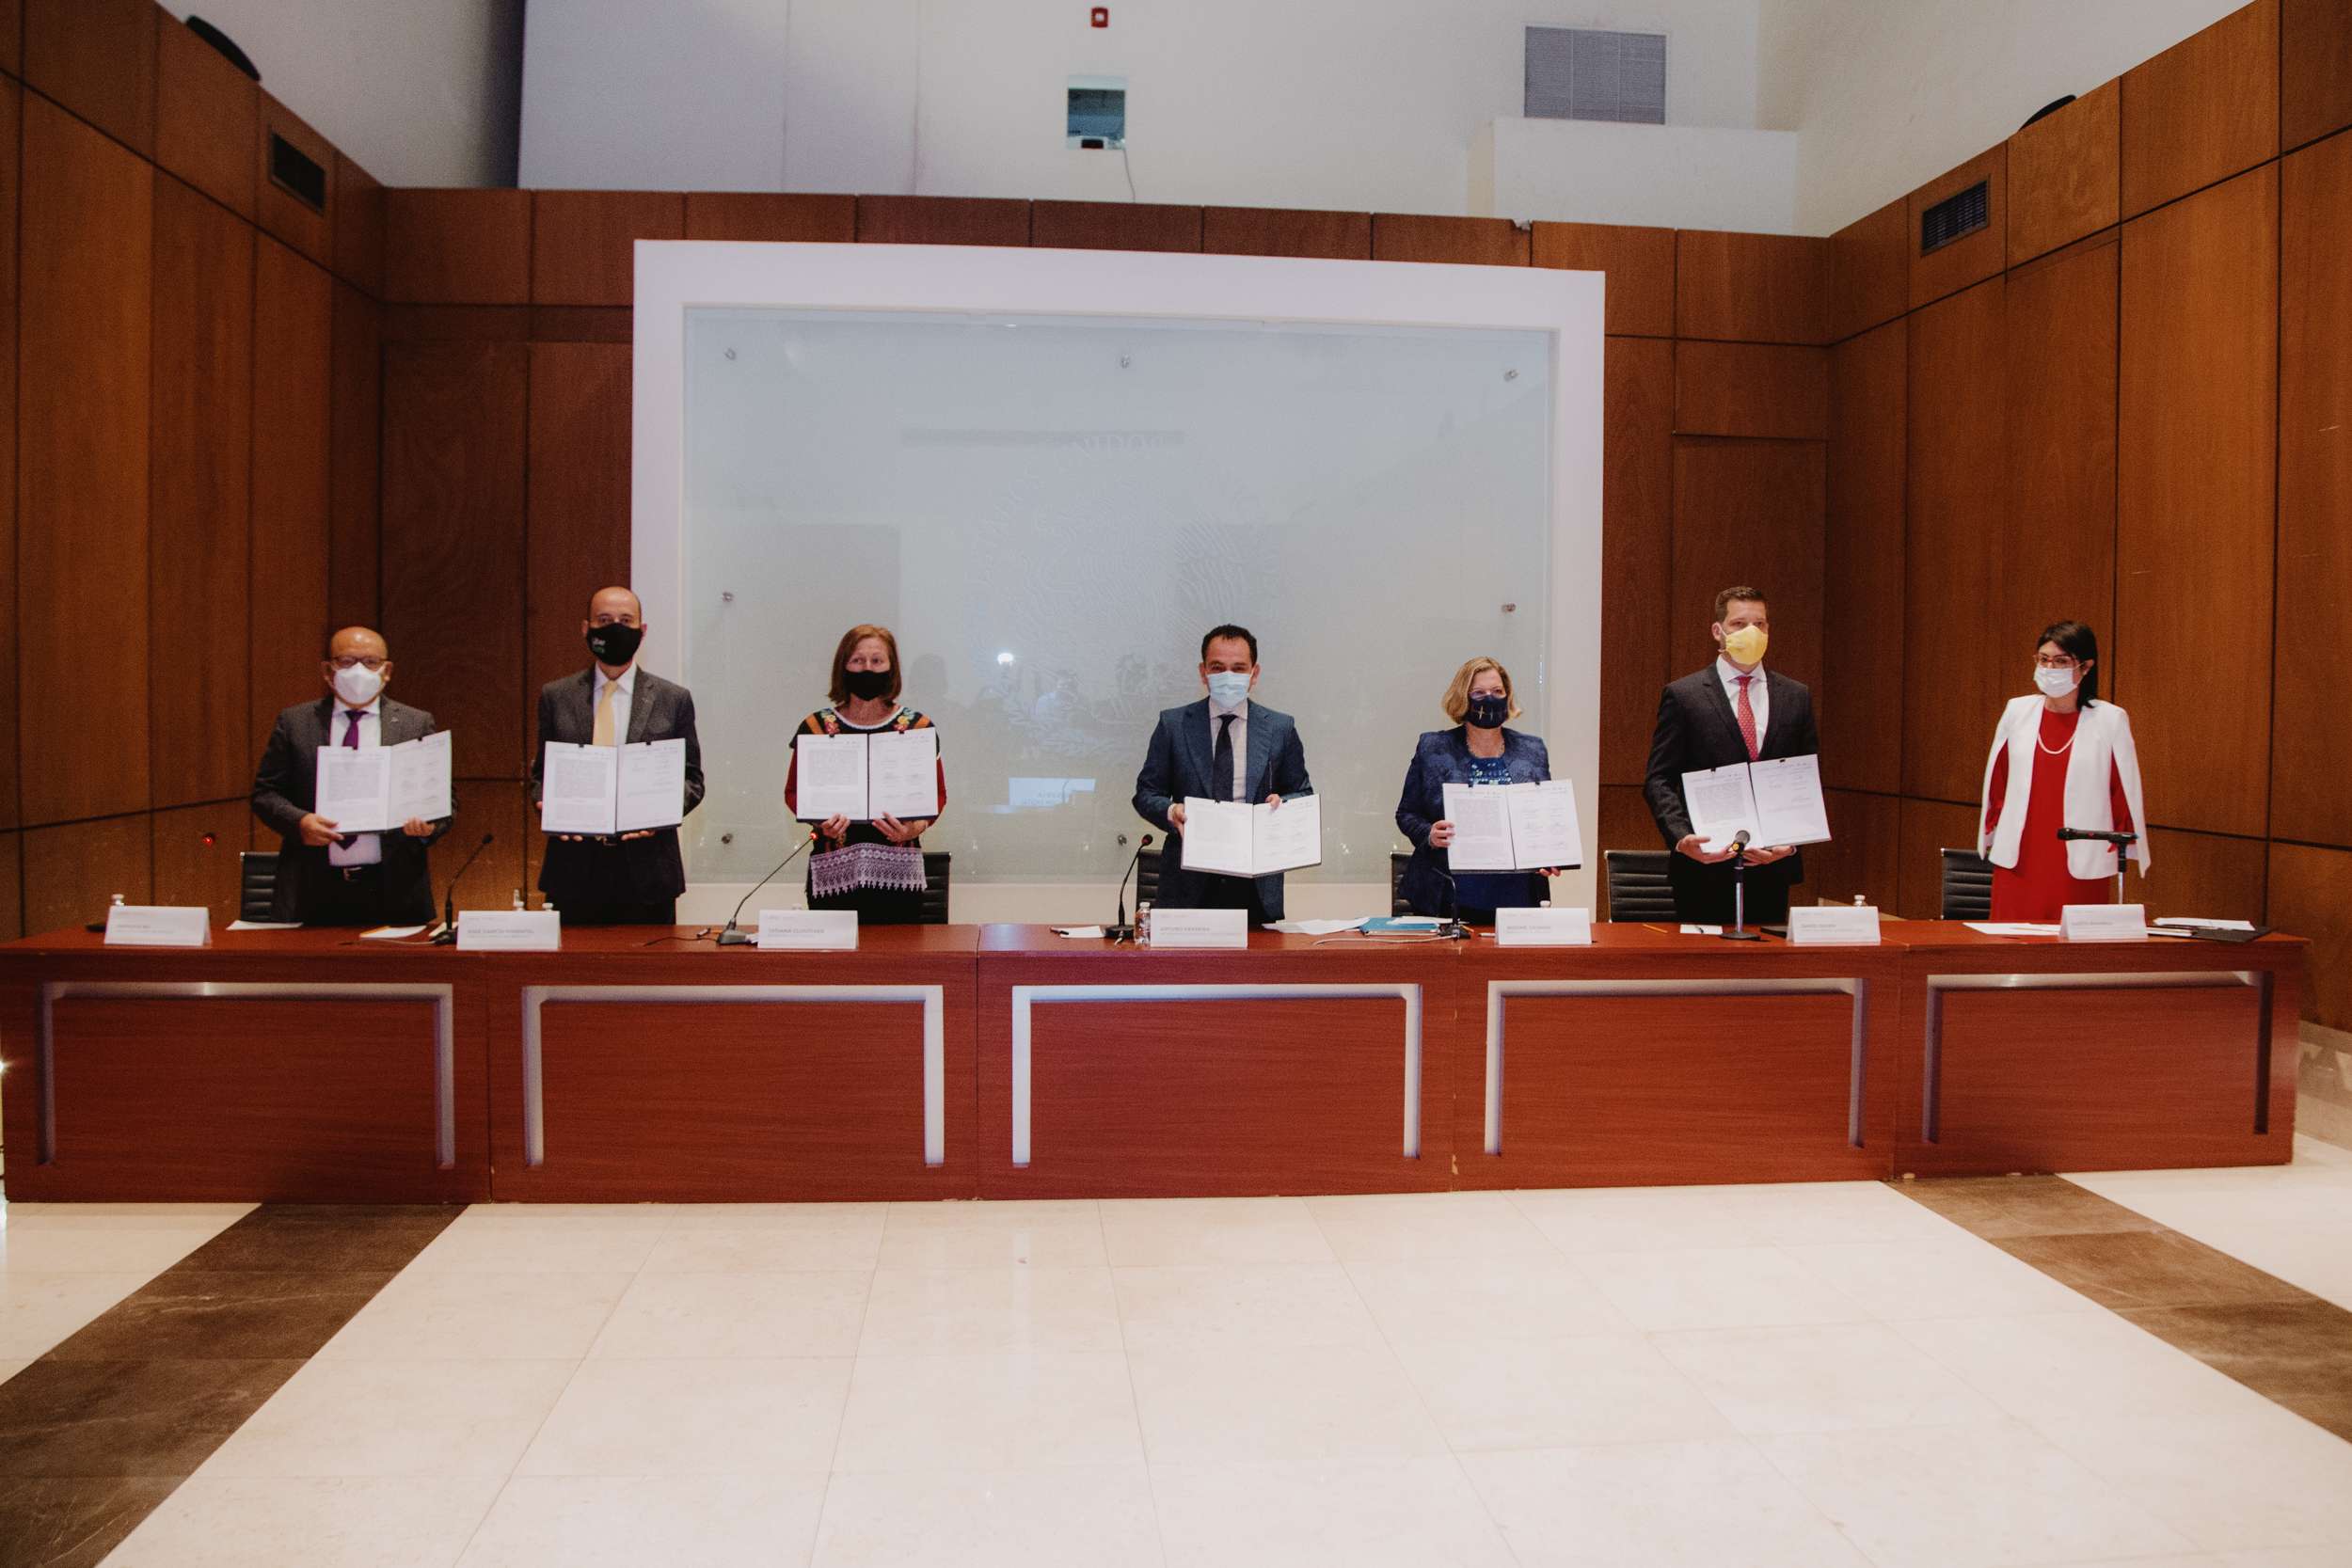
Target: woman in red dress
x,y
2060,759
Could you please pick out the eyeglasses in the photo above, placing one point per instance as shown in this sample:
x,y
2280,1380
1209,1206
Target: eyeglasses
x,y
2061,661
349,661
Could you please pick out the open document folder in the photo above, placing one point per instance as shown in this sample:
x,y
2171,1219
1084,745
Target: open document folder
x,y
612,789
373,789
1232,838
1774,802
1521,827
863,777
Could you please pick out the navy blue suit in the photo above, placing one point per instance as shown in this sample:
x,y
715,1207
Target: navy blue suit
x,y
1178,765
1443,757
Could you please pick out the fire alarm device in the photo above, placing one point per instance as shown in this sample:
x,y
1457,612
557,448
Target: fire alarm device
x,y
1101,16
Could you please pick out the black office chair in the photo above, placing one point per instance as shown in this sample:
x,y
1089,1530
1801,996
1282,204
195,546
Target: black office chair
x,y
937,863
1397,902
1967,885
257,883
1147,877
1633,884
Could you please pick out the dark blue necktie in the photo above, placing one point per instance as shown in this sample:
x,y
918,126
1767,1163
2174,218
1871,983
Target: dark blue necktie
x,y
1221,763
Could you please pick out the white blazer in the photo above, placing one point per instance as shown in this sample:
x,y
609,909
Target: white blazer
x,y
2102,744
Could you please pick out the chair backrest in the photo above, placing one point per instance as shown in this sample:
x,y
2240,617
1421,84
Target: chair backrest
x,y
1967,885
1633,884
937,863
1397,903
257,883
1148,876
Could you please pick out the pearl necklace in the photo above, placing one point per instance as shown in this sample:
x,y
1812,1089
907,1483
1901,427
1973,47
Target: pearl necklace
x,y
2044,746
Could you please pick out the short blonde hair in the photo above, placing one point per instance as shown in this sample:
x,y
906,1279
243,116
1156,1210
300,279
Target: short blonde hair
x,y
1456,702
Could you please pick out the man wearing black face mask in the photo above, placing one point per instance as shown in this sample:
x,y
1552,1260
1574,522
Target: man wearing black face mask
x,y
631,879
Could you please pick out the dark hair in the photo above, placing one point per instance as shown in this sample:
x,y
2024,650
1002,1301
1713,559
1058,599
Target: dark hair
x,y
839,690
1723,600
1229,629
2080,640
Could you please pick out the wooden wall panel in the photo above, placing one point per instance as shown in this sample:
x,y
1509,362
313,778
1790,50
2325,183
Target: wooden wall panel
x,y
1286,232
454,465
1748,513
1639,264
457,247
353,470
2057,545
500,808
1415,237
201,451
12,36
1114,226
1625,820
11,852
583,243
1954,678
2307,898
2203,110
196,850
770,215
97,58
309,230
1751,287
294,312
579,526
2311,793
2195,522
1863,857
2064,175
1756,390
72,872
359,228
11,127
1869,270
1975,257
206,110
1861,707
2201,874
1637,548
86,255
2314,70
940,220
1930,827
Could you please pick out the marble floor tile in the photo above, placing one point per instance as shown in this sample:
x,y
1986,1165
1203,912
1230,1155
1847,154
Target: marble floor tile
x,y
2259,1478
1805,1213
1895,1280
39,1249
308,1238
517,1246
1640,1219
1334,1513
130,1216
467,1317
709,1248
73,1522
2298,1354
1654,1505
1143,1232
1092,1519
700,1316
1556,1393
981,1310
1994,1206
1212,1306
1528,1295
1822,1377
246,1316
227,1522
1293,1402
2143,1268
2062,1364
815,1218
679,1417
123,1419
992,1235
1019,1410
8,1369
433,1419
1408,1225
38,1311
1716,1288
633,1521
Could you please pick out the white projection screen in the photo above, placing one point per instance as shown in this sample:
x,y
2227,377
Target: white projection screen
x,y
1049,472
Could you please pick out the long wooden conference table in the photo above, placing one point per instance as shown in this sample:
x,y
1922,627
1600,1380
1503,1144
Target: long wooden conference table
x,y
1003,1061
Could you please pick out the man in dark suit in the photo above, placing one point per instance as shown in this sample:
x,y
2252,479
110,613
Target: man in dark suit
x,y
1731,711
631,879
326,878
1222,747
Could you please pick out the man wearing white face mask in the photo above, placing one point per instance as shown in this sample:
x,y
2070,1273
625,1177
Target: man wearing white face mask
x,y
325,877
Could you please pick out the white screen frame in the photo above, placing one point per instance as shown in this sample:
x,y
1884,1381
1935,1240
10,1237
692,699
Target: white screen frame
x,y
673,276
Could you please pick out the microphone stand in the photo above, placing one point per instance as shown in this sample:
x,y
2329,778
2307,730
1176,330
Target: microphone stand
x,y
1451,929
2121,841
1123,931
1739,931
446,934
734,935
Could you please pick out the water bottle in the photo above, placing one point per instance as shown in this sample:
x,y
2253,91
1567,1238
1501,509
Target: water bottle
x,y
518,898
1143,923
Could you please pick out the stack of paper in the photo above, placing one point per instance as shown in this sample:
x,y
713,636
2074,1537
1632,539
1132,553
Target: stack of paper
x,y
1774,802
375,789
1234,839
1521,826
612,789
864,777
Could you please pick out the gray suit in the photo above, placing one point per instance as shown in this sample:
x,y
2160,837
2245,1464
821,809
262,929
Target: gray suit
x,y
285,790
590,879
1180,763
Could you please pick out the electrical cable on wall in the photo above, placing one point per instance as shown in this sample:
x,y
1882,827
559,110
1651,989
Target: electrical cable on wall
x,y
1128,167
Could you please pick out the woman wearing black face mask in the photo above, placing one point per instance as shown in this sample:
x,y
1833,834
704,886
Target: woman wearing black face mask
x,y
1477,750
884,889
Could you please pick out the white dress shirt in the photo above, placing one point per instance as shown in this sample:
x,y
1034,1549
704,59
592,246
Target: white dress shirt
x,y
1759,695
624,690
1241,745
364,848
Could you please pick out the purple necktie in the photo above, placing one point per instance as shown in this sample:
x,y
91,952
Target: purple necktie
x,y
351,735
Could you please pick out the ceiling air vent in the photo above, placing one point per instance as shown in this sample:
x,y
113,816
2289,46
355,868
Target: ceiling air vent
x,y
298,171
1955,217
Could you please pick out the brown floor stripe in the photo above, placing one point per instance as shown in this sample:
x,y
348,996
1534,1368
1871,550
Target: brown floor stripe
x,y
97,1433
2293,1348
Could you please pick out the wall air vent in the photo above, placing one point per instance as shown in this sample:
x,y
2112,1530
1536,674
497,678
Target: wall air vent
x,y
1955,217
296,171
1585,73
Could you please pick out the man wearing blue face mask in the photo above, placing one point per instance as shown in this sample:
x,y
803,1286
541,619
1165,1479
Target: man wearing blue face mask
x,y
1223,748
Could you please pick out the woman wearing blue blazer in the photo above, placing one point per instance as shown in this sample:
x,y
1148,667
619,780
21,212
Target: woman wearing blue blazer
x,y
1477,750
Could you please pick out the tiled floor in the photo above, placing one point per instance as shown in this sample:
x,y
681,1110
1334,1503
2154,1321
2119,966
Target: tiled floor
x,y
1818,1377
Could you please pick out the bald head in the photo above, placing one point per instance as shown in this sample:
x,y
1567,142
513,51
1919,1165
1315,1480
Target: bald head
x,y
615,605
615,625
357,652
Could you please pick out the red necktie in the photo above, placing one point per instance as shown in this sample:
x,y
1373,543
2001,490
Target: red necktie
x,y
1747,718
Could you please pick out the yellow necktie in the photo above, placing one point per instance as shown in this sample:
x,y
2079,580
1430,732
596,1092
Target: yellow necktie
x,y
603,734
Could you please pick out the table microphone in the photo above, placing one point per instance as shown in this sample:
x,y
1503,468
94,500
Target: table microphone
x,y
446,934
1122,931
2119,840
734,935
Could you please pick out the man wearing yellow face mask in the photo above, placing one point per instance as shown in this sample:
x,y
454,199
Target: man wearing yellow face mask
x,y
1732,712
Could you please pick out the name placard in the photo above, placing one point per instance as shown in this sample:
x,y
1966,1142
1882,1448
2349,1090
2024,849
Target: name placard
x,y
807,931
1542,927
509,931
2104,923
159,926
1200,927
1833,926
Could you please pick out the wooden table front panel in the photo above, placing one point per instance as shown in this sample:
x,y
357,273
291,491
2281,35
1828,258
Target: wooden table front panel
x,y
225,1100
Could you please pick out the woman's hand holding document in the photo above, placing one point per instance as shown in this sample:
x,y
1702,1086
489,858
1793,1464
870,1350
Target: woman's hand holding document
x,y
1777,804
892,774
1521,827
1232,838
